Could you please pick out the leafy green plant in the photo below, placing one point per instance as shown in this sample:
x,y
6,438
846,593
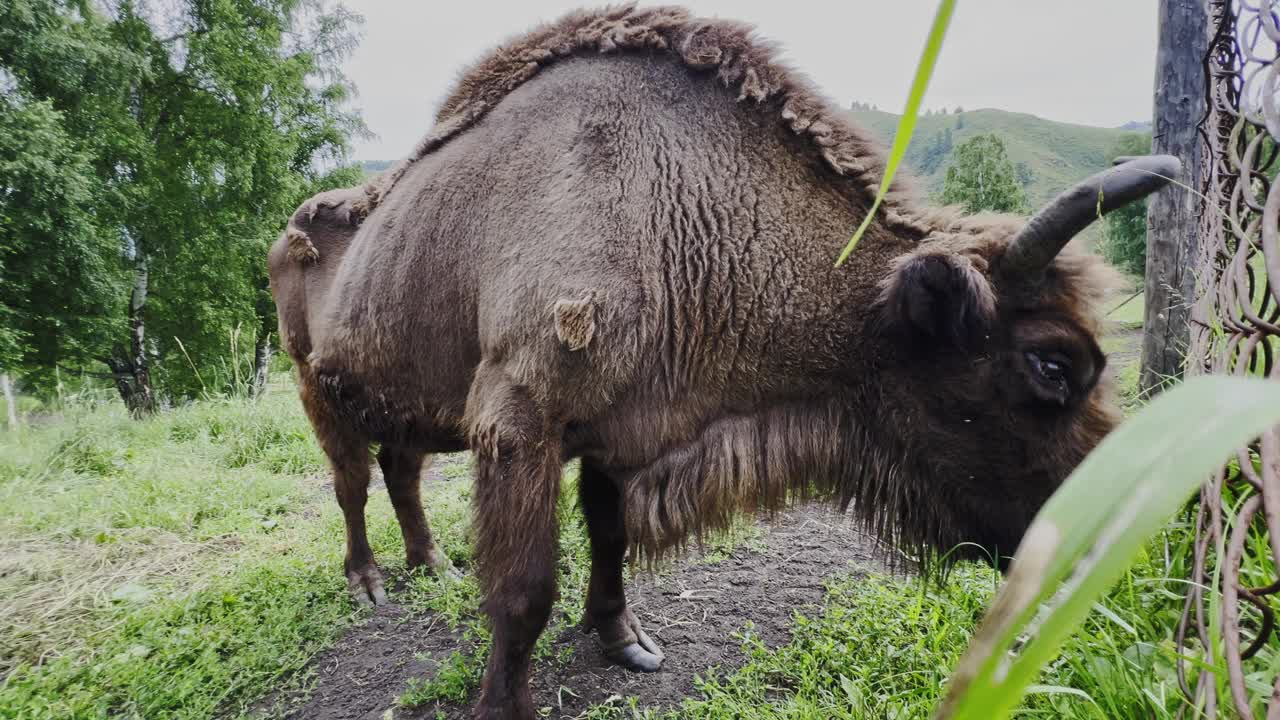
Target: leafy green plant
x,y
1090,530
907,126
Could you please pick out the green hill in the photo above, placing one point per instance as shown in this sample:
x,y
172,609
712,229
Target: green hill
x,y
1053,155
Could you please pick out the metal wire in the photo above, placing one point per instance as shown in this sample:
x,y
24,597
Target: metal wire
x,y
1235,330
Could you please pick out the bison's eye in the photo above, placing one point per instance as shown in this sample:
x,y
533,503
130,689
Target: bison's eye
x,y
1051,370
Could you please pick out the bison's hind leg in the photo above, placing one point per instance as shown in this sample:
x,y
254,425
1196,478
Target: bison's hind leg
x,y
401,470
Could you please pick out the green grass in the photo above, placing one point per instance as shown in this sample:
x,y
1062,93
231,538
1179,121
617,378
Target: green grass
x,y
743,532
187,565
170,568
1127,312
1130,395
1088,534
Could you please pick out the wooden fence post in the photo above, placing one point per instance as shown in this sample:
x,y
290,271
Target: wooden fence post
x,y
1173,215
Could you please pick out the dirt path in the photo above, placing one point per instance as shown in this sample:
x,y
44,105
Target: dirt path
x,y
1127,350
1122,330
692,610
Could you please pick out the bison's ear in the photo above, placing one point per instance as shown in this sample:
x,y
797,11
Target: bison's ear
x,y
938,300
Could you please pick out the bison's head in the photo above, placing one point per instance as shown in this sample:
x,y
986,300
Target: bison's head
x,y
997,387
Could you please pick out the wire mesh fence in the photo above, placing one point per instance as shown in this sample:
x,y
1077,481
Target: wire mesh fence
x,y
1229,613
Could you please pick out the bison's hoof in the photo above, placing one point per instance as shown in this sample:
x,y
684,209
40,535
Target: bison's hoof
x,y
626,643
365,586
642,656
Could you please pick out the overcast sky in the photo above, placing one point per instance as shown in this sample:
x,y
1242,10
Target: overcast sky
x,y
1081,61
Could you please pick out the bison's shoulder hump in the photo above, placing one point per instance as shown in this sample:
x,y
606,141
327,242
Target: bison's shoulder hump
x,y
747,64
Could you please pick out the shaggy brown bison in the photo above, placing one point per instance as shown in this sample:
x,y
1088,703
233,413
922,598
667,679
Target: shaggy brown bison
x,y
617,245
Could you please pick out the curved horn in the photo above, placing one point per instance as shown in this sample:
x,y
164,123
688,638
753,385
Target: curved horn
x,y
1046,233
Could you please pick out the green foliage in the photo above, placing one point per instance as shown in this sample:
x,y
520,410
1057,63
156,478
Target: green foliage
x,y
1124,234
177,140
456,678
58,246
933,154
1025,174
982,178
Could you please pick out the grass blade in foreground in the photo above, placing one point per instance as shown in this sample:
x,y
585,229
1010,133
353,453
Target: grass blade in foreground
x,y
907,125
1091,529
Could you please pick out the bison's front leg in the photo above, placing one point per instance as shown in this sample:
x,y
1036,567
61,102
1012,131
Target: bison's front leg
x,y
621,636
517,483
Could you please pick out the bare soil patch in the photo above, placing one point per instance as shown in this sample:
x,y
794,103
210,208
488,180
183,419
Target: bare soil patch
x,y
693,609
360,677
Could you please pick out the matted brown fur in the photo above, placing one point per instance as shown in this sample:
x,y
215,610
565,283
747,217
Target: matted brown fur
x,y
767,461
731,49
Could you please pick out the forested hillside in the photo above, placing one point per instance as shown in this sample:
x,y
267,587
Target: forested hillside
x,y
1049,155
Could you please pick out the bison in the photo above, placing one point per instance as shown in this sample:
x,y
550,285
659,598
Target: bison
x,y
617,245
